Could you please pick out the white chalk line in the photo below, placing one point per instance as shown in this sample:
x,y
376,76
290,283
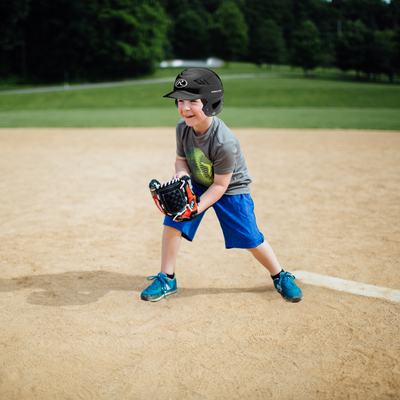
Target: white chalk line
x,y
342,285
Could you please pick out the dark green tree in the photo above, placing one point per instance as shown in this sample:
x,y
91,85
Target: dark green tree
x,y
396,43
95,39
328,59
375,14
381,53
306,47
12,38
309,10
202,7
269,46
228,33
190,35
394,11
258,11
351,48
134,36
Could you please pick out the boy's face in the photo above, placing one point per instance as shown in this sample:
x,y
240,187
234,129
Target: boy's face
x,y
192,112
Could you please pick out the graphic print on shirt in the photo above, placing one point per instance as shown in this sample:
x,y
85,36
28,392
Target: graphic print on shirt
x,y
200,166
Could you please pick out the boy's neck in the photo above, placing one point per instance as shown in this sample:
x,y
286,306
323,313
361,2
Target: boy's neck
x,y
201,129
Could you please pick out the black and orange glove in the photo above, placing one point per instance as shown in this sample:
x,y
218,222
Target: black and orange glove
x,y
176,198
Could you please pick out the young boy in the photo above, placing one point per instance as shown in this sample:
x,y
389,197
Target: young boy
x,y
210,154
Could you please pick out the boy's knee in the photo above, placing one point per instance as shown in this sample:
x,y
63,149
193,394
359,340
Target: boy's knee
x,y
172,230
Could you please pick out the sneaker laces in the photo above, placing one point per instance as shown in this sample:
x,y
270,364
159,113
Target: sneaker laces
x,y
287,277
162,279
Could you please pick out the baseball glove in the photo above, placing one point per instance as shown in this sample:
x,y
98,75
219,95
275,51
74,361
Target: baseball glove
x,y
175,198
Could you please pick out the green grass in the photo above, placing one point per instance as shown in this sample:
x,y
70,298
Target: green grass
x,y
322,118
331,100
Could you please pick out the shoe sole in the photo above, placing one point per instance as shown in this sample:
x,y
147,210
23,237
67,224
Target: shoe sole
x,y
291,301
158,298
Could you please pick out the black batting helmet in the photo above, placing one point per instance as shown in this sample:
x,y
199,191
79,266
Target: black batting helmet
x,y
200,83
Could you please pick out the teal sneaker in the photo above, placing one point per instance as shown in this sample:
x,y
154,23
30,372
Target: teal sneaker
x,y
287,288
161,287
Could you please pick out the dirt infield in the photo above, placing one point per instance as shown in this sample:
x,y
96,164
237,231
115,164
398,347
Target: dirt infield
x,y
79,234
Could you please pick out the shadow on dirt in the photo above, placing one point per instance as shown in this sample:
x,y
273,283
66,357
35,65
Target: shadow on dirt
x,y
78,288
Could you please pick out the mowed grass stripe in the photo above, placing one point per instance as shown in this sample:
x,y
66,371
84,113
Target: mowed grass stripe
x,y
296,92
240,117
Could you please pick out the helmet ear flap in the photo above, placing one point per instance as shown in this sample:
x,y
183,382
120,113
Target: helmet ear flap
x,y
217,106
206,110
212,109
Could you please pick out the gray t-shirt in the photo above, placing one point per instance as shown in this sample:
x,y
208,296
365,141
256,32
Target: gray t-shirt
x,y
218,151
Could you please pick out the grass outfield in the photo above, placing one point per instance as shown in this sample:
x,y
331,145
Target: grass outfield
x,y
239,117
330,100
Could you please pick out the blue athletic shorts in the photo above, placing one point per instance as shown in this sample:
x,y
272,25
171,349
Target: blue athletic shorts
x,y
236,217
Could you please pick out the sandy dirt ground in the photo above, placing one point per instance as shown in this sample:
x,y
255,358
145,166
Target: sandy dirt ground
x,y
79,234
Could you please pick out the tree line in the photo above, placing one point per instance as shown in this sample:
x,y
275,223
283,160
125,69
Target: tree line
x,y
51,40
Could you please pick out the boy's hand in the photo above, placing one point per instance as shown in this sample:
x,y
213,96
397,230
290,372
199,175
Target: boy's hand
x,y
176,198
180,174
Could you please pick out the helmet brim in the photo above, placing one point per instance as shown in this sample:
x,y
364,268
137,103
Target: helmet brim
x,y
183,95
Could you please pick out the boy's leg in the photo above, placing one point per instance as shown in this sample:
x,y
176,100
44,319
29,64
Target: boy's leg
x,y
266,256
171,241
164,285
283,281
238,222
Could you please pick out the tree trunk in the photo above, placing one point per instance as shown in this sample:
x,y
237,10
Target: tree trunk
x,y
23,61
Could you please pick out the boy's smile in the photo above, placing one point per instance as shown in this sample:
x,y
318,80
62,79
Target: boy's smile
x,y
192,112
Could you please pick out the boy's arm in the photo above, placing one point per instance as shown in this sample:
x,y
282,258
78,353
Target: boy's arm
x,y
214,192
181,167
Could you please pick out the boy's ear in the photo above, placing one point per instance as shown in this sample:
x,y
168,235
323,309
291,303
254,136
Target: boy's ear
x,y
176,102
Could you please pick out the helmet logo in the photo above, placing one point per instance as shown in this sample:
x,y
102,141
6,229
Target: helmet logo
x,y
180,83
